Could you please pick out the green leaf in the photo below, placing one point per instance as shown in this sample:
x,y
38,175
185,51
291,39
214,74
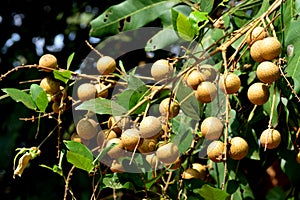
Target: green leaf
x,y
195,18
64,76
206,6
70,58
102,106
181,22
20,96
268,105
79,155
211,193
129,15
39,96
113,181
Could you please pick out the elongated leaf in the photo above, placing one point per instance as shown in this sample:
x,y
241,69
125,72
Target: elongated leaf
x,y
39,96
102,106
209,192
79,155
181,22
268,105
20,96
70,58
64,76
129,15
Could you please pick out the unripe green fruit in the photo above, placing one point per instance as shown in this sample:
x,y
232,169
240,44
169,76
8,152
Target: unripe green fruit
x,y
49,61
270,138
106,65
238,148
258,93
131,139
270,48
87,128
206,92
267,72
86,91
168,153
215,151
161,70
171,108
50,85
212,128
231,85
150,126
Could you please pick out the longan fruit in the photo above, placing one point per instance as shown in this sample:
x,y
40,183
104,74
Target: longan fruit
x,y
215,151
50,85
238,148
153,161
116,151
101,138
298,157
161,70
211,128
131,138
202,169
258,93
168,153
256,51
258,33
49,61
150,126
87,128
117,167
100,92
171,108
86,91
270,138
267,72
206,92
190,173
208,72
231,84
270,48
148,145
194,79
118,123
106,65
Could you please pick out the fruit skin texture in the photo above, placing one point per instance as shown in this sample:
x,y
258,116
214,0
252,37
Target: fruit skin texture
x,y
231,84
201,169
86,91
258,93
208,72
150,126
161,69
87,128
206,92
267,72
190,173
148,146
256,51
270,138
270,48
238,148
50,85
131,138
211,128
258,33
215,151
168,153
106,65
173,109
49,61
194,79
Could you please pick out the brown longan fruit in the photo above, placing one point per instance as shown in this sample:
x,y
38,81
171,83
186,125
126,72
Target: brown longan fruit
x,y
153,161
161,70
270,138
49,61
206,92
270,48
194,79
208,72
131,138
106,65
258,33
116,151
231,84
238,148
202,169
148,146
256,51
258,93
117,167
86,91
50,85
168,153
171,108
118,123
267,72
87,128
211,128
101,91
298,157
215,151
190,173
150,126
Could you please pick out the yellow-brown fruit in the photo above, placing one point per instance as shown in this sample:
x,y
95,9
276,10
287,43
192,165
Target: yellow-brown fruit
x,y
270,48
161,70
131,139
101,90
150,126
118,123
116,151
106,65
267,72
190,173
110,134
208,73
211,128
101,138
148,146
86,91
153,161
194,79
256,51
169,108
117,167
258,33
270,138
231,84
168,153
202,169
206,92
50,85
87,128
215,151
298,157
49,61
238,148
258,93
